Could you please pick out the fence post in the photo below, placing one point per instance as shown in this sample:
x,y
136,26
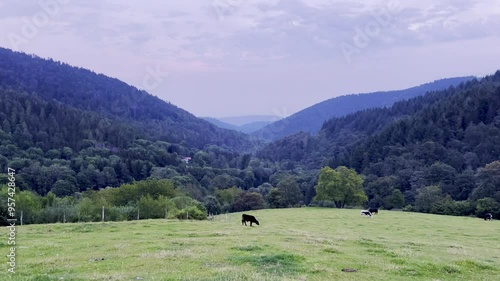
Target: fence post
x,y
138,213
102,213
21,217
64,216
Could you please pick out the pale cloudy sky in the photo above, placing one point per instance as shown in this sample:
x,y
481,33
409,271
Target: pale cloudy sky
x,y
239,57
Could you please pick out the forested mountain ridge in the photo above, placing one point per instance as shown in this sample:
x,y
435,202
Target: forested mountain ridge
x,y
311,119
58,148
88,91
438,153
59,136
339,134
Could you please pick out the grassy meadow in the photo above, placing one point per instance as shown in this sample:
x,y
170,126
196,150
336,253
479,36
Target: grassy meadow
x,y
289,244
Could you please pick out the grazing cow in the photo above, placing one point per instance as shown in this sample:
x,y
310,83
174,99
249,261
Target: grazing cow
x,y
374,211
251,219
488,217
366,213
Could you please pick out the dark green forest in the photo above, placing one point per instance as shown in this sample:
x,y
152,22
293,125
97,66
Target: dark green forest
x,y
80,140
88,91
445,144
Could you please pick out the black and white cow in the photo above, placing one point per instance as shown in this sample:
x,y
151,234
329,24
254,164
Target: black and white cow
x,y
374,211
488,217
251,219
366,213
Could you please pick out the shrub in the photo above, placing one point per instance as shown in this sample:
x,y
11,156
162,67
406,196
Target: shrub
x,y
408,208
193,213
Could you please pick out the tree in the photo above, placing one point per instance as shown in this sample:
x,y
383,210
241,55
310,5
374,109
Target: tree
x,y
212,204
379,188
444,175
489,181
274,198
64,188
394,201
223,182
427,197
227,196
342,185
487,205
465,182
248,201
290,193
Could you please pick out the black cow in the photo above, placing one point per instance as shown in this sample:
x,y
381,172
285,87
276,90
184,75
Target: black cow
x,y
373,211
488,217
251,219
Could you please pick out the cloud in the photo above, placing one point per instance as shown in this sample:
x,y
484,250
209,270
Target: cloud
x,y
297,42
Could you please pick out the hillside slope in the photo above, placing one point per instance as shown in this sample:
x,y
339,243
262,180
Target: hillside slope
x,y
311,119
445,145
88,91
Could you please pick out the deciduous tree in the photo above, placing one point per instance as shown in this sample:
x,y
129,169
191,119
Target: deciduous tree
x,y
343,186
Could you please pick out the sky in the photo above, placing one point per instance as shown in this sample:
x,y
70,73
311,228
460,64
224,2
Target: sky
x,y
260,57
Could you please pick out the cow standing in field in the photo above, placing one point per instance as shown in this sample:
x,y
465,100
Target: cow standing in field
x,y
251,219
488,217
366,213
374,211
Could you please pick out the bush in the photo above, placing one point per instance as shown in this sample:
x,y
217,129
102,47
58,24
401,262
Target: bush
x,y
462,208
121,213
193,213
87,210
408,208
150,208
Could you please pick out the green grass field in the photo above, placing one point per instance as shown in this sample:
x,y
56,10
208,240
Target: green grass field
x,y
289,244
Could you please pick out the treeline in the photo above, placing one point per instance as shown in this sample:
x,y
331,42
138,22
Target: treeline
x,y
148,199
140,200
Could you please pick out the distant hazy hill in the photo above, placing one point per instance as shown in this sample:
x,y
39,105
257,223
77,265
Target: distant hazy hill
x,y
221,124
312,118
85,90
254,126
255,122
248,119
